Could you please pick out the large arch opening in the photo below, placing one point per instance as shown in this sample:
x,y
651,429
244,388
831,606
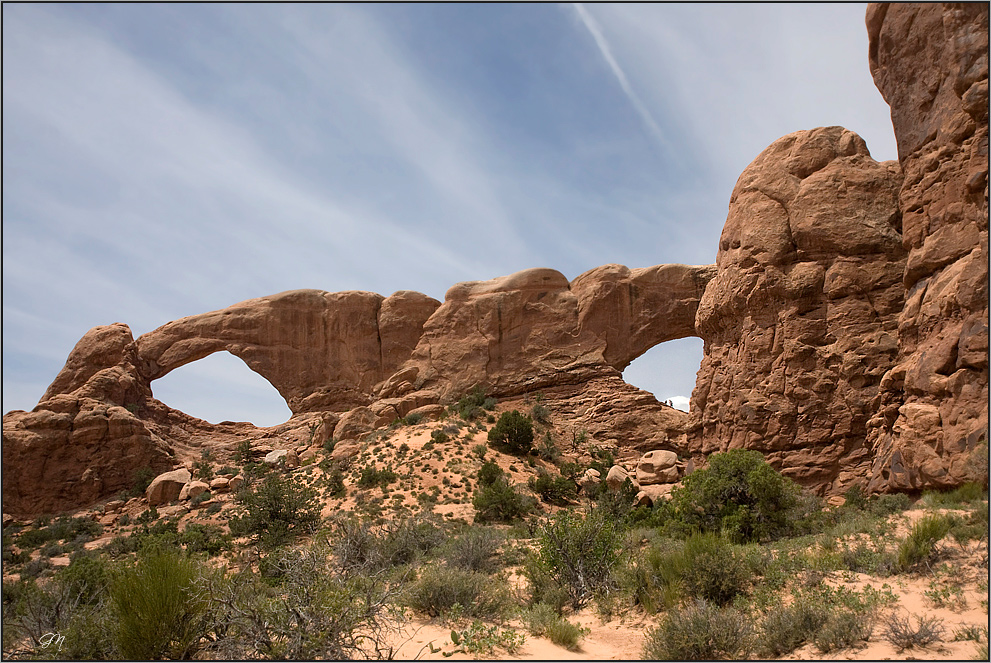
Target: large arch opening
x,y
221,387
668,370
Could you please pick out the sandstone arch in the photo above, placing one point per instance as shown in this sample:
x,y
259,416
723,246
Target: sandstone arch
x,y
320,350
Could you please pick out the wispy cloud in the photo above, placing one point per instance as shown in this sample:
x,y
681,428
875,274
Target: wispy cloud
x,y
600,40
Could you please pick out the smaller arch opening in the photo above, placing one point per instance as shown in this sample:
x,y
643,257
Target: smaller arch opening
x,y
221,387
668,371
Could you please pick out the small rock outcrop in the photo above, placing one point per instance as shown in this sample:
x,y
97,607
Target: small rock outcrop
x,y
930,63
801,321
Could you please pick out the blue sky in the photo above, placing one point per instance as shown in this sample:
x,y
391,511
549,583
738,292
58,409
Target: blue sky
x,y
163,160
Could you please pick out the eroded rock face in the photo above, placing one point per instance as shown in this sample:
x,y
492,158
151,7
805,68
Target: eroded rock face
x,y
930,62
801,321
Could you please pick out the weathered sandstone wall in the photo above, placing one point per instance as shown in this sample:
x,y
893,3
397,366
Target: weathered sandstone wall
x,y
801,320
930,62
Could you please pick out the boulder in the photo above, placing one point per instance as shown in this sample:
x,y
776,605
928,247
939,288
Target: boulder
x,y
219,484
192,489
235,483
649,495
589,480
285,457
166,487
658,466
617,476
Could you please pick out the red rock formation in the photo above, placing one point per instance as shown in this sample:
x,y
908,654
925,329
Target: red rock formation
x,y
329,355
533,329
800,322
930,62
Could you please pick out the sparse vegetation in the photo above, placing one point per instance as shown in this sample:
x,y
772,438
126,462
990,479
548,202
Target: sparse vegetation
x,y
739,563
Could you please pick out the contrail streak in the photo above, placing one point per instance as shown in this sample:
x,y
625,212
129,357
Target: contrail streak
x,y
600,41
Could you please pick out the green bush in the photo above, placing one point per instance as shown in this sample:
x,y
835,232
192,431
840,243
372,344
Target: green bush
x,y
87,577
371,476
565,634
440,588
553,490
407,540
472,405
158,611
920,545
577,553
712,571
488,473
842,630
208,538
786,628
143,477
276,510
499,502
738,494
698,632
653,576
513,433
335,487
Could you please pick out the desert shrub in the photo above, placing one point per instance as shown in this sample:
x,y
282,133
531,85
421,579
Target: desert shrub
x,y
276,510
968,493
371,476
488,473
87,577
884,505
548,450
578,553
557,490
354,545
411,419
158,611
474,549
407,540
699,631
739,494
513,432
64,528
920,544
482,640
899,631
438,437
472,405
540,413
843,629
500,502
565,634
652,577
334,482
785,628
314,613
712,570
440,588
542,619
205,537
